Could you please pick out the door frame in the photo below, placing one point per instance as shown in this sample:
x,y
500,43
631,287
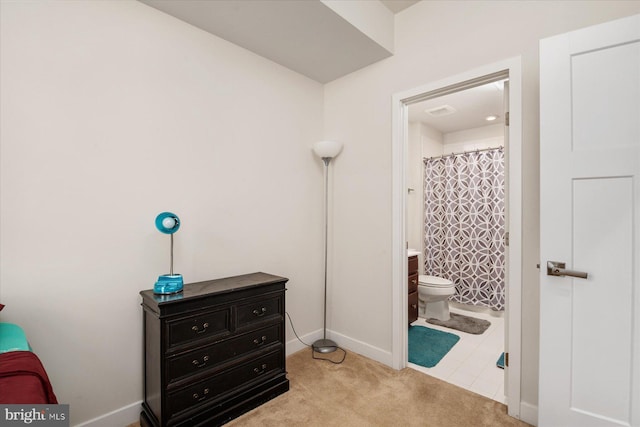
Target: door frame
x,y
513,187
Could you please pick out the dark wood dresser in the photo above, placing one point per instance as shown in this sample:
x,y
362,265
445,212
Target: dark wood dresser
x,y
413,289
214,351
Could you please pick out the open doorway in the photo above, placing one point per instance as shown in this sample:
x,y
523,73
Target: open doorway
x,y
455,226
402,112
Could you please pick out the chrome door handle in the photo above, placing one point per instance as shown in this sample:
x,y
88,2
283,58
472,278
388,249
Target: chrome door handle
x,y
555,268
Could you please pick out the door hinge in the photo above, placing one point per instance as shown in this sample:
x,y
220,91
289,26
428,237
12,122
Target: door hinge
x,y
506,118
506,238
506,359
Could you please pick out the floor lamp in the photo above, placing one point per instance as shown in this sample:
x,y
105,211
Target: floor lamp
x,y
326,150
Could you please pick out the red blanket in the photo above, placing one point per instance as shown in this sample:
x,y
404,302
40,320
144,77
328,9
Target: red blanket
x,y
24,380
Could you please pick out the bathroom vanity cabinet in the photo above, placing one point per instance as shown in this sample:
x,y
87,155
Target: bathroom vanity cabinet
x,y
413,288
214,351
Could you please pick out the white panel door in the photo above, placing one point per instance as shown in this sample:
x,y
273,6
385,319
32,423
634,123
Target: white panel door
x,y
590,220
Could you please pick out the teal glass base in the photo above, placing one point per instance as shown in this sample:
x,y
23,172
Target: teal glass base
x,y
168,284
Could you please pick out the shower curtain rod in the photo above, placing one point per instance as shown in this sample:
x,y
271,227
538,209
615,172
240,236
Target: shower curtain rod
x,y
464,152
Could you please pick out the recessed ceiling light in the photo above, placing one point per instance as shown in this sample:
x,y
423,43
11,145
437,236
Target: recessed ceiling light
x,y
490,118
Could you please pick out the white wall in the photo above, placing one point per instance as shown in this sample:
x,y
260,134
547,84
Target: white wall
x,y
434,39
479,138
112,112
432,141
423,141
414,186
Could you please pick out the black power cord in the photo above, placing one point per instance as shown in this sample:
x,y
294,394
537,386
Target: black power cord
x,y
344,356
313,353
294,330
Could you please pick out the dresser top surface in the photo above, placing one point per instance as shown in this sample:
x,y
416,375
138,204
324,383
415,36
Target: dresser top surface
x,y
208,287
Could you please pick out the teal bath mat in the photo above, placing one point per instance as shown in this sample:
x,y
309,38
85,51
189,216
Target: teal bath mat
x,y
500,362
427,346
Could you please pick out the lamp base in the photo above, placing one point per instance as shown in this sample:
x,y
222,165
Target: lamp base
x,y
168,284
324,346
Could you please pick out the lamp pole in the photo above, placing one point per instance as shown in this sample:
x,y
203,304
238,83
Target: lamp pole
x,y
325,345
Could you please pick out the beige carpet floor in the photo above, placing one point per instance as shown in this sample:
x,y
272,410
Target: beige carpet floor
x,y
362,392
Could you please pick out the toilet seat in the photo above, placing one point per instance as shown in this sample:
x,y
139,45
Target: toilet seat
x,y
435,282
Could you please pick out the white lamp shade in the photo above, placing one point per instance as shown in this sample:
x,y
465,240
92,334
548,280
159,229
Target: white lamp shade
x,y
327,149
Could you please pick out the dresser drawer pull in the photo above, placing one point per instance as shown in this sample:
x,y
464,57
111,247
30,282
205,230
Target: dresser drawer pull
x,y
414,281
260,312
199,398
196,362
198,330
261,369
260,341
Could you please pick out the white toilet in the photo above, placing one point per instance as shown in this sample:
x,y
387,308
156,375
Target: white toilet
x,y
433,297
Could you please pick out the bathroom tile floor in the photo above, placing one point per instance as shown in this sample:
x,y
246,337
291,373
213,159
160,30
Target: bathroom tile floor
x,y
471,363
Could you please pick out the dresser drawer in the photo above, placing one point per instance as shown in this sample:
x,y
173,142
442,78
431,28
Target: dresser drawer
x,y
259,310
201,326
208,390
203,359
413,282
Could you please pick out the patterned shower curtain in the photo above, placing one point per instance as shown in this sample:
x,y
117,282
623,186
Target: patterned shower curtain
x,y
464,221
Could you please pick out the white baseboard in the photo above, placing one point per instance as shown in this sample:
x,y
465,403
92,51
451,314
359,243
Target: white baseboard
x,y
529,413
344,342
131,413
120,417
362,348
294,345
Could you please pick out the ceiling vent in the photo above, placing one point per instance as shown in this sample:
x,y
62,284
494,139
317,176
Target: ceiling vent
x,y
443,110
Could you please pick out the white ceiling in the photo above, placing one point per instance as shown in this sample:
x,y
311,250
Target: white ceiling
x,y
304,36
308,37
396,6
472,107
